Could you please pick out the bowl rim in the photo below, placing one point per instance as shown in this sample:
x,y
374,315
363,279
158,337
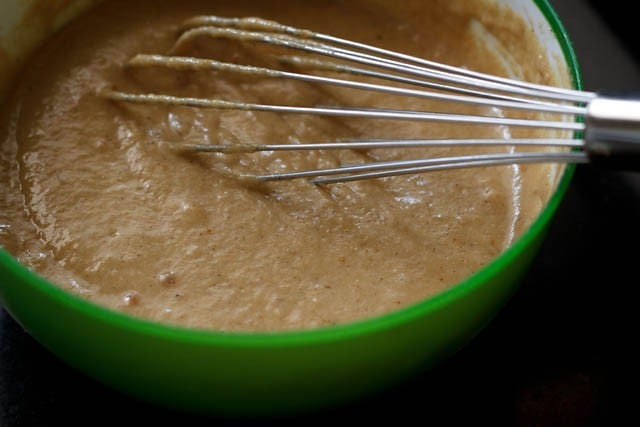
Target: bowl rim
x,y
341,331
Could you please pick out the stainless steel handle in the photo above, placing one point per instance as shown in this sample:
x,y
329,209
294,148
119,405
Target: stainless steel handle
x,y
612,134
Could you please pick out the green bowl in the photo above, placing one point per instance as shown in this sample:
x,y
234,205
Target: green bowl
x,y
273,373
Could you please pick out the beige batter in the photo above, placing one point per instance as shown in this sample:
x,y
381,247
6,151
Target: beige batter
x,y
96,198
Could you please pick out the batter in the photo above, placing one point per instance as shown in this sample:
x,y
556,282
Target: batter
x,y
96,198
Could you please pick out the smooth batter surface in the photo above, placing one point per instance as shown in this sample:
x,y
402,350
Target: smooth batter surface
x,y
96,198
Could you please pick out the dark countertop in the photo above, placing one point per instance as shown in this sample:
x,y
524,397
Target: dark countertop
x,y
559,354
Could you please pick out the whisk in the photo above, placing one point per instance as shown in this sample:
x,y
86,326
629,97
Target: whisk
x,y
608,124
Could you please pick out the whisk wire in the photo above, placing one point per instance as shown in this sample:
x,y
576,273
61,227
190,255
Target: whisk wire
x,y
197,64
255,23
459,77
220,104
350,173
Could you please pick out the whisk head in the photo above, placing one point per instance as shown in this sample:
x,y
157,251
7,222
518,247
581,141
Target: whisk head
x,y
333,61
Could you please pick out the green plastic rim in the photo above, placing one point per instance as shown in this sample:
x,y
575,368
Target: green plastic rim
x,y
331,333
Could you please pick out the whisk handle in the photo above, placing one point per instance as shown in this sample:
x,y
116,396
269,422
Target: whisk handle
x,y
612,134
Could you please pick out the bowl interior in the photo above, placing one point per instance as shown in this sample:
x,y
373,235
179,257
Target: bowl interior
x,y
24,24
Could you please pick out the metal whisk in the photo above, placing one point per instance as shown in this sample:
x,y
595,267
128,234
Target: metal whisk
x,y
609,125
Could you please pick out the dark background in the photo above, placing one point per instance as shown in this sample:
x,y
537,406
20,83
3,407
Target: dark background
x,y
559,354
